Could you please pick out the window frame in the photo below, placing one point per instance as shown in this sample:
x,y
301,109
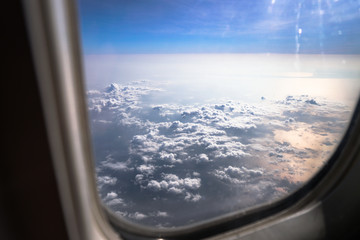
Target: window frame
x,y
54,34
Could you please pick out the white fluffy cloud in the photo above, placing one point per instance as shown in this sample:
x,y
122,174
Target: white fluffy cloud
x,y
116,201
192,197
169,151
200,126
118,97
161,214
146,169
237,175
140,216
137,216
112,199
171,183
110,195
106,180
111,163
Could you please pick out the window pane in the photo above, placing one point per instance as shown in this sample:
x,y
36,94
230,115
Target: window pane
x,y
203,108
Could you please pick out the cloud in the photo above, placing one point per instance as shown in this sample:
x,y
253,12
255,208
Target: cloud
x,y
161,214
115,165
237,175
171,143
110,195
171,183
137,216
311,101
192,197
118,97
172,152
157,186
111,163
203,158
116,201
192,183
141,216
106,180
146,169
169,157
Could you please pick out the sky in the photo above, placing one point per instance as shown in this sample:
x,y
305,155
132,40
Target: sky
x,y
226,26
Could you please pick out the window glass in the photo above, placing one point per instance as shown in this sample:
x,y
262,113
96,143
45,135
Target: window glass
x,y
200,108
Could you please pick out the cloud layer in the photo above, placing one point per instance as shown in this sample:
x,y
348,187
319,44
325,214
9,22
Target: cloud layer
x,y
170,164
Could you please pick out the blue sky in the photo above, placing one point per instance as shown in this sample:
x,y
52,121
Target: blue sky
x,y
220,26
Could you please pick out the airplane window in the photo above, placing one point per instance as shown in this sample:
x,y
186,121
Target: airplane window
x,y
202,108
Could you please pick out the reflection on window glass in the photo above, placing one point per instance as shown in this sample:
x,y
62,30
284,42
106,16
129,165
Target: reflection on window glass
x,y
203,108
